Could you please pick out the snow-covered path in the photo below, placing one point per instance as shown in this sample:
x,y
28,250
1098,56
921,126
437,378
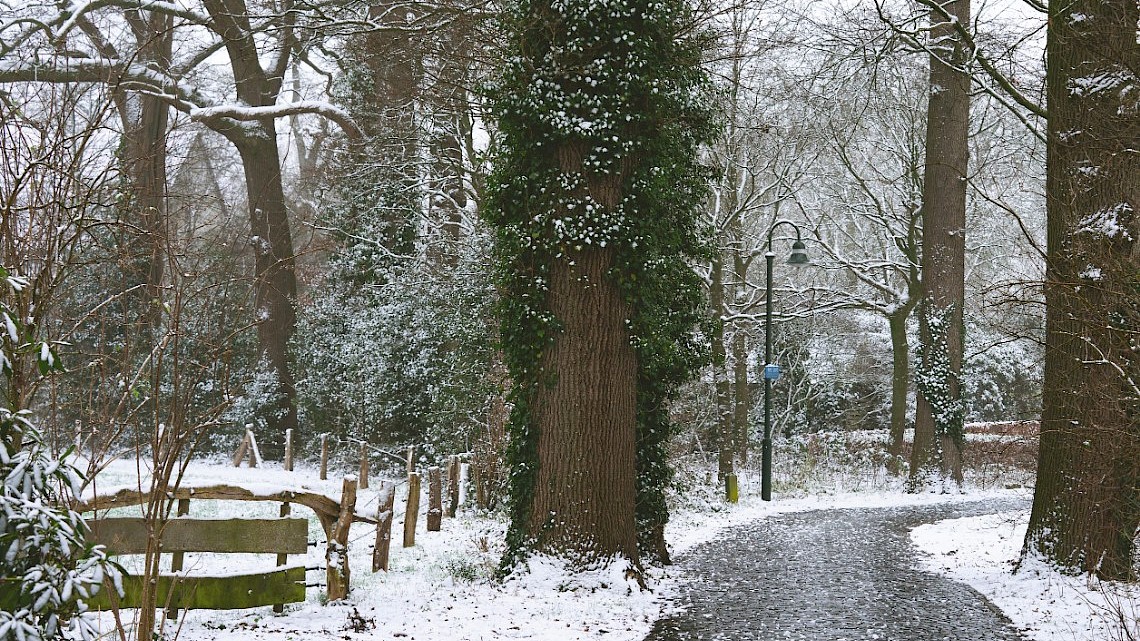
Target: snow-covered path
x,y
841,574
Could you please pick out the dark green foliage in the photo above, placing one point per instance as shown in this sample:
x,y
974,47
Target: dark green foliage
x,y
620,81
933,378
397,340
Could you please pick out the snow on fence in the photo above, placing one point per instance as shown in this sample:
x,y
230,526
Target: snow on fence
x,y
282,536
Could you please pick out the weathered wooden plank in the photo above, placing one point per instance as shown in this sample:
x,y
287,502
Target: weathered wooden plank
x,y
127,535
326,508
212,592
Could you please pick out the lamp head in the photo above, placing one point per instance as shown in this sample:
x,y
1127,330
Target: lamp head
x,y
799,254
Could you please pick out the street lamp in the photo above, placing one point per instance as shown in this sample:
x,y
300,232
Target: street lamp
x,y
771,370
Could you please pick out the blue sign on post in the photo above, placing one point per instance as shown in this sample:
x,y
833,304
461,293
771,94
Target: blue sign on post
x,y
771,372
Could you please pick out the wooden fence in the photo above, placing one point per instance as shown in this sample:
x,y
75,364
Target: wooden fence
x,y
128,535
282,536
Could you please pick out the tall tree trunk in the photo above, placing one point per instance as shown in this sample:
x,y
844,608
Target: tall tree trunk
x,y
741,395
275,287
1086,507
275,280
937,440
585,490
900,384
146,167
145,235
721,386
587,419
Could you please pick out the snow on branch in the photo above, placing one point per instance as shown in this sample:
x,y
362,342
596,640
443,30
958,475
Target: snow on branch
x,y
76,10
245,113
110,72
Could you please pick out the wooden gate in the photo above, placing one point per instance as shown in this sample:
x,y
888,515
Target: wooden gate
x,y
281,536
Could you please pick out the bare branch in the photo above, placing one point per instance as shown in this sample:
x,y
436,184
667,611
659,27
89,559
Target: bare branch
x,y
247,114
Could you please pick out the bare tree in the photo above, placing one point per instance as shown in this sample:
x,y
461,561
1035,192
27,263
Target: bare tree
x,y
168,77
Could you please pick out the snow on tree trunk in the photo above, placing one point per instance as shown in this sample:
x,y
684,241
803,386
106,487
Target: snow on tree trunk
x,y
1085,505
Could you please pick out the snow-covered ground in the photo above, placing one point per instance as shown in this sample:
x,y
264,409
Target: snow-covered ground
x,y
440,589
982,552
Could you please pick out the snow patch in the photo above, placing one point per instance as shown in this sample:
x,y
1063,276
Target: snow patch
x,y
1106,222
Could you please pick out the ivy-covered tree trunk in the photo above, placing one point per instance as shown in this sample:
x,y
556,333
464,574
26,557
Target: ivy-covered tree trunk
x,y
593,199
1086,505
587,416
938,418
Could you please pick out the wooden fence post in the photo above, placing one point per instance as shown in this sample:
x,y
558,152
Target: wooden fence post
x,y
411,459
242,449
324,456
336,555
254,452
363,465
435,507
413,510
480,486
288,451
283,558
384,526
454,468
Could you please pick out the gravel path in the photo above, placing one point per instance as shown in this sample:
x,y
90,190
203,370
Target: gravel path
x,y
830,575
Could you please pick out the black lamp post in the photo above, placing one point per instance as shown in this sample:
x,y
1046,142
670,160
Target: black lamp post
x,y
771,370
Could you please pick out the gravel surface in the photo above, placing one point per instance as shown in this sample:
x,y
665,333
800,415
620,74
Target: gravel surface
x,y
830,575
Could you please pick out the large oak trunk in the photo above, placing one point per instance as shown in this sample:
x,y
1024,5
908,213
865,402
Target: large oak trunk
x,y
1085,507
587,418
584,506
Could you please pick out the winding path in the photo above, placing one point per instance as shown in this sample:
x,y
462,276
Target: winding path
x,y
830,575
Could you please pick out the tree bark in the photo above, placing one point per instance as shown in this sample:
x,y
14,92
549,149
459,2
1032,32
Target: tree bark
x,y
145,236
741,395
943,243
584,504
900,384
587,419
275,286
1085,505
721,386
275,280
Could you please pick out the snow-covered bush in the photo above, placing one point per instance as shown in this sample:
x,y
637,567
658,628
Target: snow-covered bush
x,y
47,570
